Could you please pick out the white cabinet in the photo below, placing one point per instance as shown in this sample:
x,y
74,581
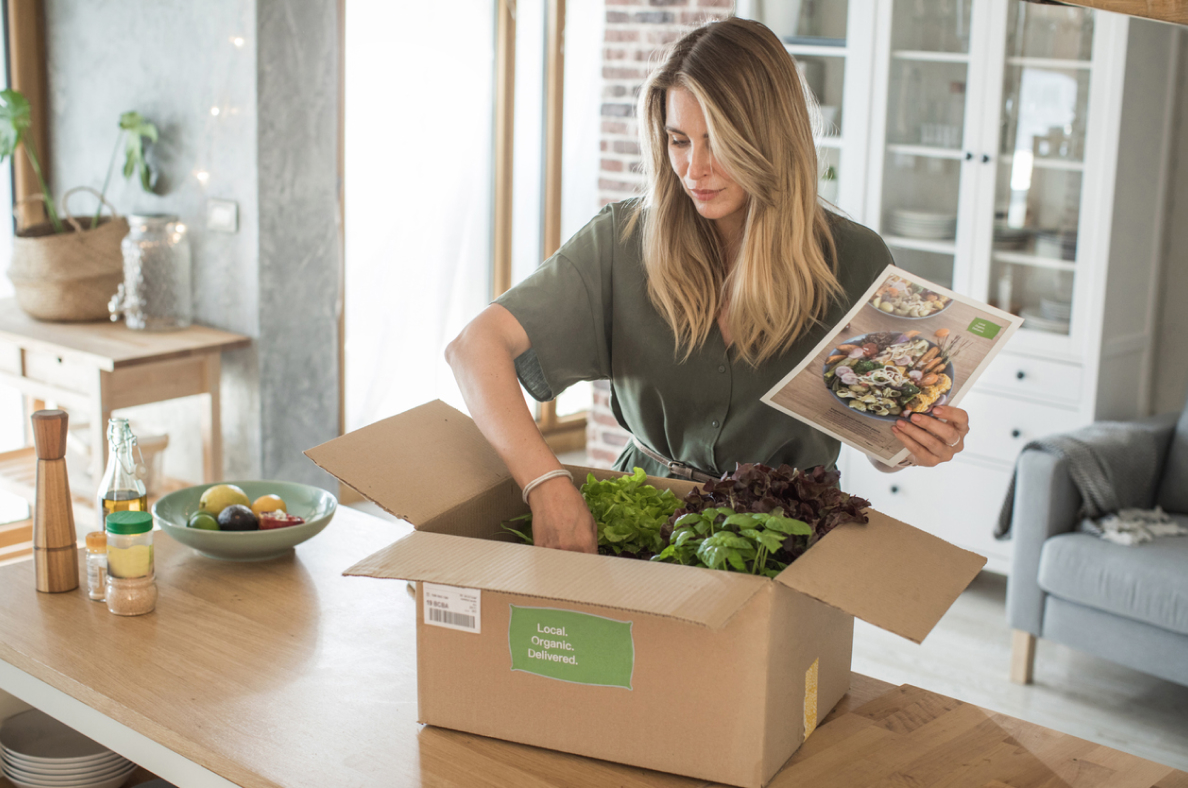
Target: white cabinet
x,y
1017,153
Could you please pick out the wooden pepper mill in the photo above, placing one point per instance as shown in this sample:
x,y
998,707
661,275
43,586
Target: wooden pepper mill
x,y
55,544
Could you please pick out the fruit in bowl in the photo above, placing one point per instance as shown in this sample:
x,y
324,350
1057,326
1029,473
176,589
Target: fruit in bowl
x,y
304,511
219,497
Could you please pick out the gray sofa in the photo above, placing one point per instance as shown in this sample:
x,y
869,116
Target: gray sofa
x,y
1125,604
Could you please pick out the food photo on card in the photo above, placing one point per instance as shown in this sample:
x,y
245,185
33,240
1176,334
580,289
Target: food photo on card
x,y
907,346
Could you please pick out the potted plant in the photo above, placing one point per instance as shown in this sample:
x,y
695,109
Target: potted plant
x,y
67,269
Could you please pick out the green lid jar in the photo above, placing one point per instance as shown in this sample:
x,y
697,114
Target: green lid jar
x,y
129,522
129,544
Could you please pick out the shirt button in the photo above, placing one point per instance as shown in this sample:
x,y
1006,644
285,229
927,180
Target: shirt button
x,y
722,368
715,422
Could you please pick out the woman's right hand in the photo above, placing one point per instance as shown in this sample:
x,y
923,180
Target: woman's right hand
x,y
561,519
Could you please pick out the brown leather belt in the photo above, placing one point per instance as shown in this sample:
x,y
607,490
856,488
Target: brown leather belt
x,y
678,468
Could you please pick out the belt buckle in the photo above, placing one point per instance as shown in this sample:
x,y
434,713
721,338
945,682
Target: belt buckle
x,y
680,468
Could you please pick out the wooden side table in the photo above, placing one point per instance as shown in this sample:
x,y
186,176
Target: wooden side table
x,y
95,368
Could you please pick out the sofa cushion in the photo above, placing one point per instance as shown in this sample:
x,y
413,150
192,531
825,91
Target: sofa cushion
x,y
1173,486
1147,582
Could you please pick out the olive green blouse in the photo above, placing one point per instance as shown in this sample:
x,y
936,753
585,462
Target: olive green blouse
x,y
587,314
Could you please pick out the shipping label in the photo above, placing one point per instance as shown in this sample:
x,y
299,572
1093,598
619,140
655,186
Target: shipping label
x,y
571,646
453,608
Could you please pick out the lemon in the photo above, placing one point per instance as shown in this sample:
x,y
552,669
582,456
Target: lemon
x,y
268,503
219,497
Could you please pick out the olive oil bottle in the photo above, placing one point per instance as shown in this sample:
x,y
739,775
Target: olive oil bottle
x,y
122,488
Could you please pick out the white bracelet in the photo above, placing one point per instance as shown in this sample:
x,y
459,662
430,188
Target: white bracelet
x,y
544,477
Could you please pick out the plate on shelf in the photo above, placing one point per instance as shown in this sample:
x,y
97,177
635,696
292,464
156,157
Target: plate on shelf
x,y
1011,238
1056,245
1035,320
35,736
933,225
1051,309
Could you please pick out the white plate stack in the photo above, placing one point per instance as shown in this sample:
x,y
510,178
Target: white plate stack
x,y
934,225
37,751
1056,245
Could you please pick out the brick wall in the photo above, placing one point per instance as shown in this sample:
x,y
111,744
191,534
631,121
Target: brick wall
x,y
637,32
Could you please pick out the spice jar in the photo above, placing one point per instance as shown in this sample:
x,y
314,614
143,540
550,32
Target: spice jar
x,y
131,588
97,565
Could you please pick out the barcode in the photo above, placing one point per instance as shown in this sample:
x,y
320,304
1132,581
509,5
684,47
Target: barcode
x,y
454,619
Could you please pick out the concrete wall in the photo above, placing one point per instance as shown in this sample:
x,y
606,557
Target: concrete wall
x,y
244,93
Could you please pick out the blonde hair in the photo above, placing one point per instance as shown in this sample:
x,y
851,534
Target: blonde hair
x,y
761,132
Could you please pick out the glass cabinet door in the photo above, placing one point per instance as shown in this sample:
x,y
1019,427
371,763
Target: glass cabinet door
x,y
819,36
925,130
1037,198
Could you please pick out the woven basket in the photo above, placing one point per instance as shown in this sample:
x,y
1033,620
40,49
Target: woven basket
x,y
69,276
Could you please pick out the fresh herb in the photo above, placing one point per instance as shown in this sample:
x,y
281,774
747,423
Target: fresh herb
x,y
628,511
720,538
811,496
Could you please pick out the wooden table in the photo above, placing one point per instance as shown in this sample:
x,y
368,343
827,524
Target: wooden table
x,y
95,368
283,673
99,367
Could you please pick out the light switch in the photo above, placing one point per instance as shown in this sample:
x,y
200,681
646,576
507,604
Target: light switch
x,y
222,216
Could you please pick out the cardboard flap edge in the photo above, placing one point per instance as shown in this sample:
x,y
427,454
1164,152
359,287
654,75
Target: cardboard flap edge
x,y
885,572
704,597
415,465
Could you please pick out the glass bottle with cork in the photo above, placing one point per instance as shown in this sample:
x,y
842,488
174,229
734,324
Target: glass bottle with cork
x,y
122,488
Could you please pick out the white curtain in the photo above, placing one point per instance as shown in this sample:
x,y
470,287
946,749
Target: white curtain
x,y
419,99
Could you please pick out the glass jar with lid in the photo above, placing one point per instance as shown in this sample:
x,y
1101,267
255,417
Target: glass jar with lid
x,y
157,293
131,588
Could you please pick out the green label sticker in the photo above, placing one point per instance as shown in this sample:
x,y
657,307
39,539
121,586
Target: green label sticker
x,y
984,328
571,646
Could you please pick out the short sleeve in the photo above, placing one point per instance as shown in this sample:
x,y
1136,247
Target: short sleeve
x,y
564,307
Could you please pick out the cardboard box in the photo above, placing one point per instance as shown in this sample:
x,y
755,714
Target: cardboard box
x,y
704,673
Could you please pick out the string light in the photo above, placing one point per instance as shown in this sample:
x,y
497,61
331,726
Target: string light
x,y
214,111
203,176
237,41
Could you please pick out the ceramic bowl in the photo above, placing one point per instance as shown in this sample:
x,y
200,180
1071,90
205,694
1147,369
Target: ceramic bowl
x,y
316,505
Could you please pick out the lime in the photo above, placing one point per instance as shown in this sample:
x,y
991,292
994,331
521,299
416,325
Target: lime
x,y
219,497
204,520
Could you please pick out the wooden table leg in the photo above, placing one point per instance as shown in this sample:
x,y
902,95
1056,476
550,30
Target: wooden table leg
x,y
1022,656
100,414
32,405
212,426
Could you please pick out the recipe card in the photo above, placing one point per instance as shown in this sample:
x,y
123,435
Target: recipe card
x,y
907,346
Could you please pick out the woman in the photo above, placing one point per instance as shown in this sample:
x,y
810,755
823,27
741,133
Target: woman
x,y
694,300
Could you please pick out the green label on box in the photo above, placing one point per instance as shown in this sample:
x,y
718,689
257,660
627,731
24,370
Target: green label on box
x,y
984,328
571,646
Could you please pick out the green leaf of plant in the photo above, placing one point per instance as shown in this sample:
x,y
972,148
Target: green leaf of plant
x,y
15,119
742,519
137,130
771,541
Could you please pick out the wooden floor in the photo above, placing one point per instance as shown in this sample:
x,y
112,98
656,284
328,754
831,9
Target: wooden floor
x,y
967,657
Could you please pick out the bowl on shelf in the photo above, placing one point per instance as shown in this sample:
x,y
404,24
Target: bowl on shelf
x,y
314,504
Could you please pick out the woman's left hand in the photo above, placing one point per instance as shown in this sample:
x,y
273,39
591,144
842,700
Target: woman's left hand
x,y
935,438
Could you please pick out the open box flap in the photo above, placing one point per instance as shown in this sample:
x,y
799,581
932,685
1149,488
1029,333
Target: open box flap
x,y
681,592
887,573
395,462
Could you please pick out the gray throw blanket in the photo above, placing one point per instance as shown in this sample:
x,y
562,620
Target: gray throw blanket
x,y
1113,465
